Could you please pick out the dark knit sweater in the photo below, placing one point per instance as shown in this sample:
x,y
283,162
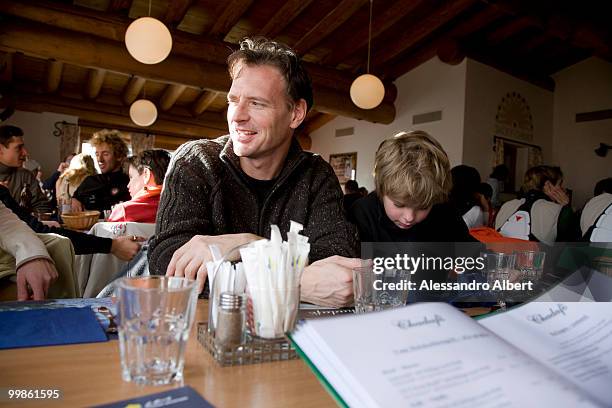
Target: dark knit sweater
x,y
206,193
83,243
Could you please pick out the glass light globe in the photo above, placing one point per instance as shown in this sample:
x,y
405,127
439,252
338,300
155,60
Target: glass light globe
x,y
148,40
367,91
143,112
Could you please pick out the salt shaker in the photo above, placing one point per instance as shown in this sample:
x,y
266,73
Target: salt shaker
x,y
230,331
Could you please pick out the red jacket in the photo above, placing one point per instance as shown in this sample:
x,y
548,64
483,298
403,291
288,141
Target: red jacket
x,y
142,208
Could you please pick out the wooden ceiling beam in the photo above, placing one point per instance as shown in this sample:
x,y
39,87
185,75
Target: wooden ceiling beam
x,y
95,80
509,29
175,12
111,115
171,94
418,32
132,89
195,47
342,12
53,75
94,52
203,102
283,17
229,17
382,20
119,6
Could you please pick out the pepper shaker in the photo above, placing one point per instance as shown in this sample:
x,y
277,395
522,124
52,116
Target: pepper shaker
x,y
230,331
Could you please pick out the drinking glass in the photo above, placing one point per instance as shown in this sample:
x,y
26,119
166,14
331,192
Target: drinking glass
x,y
155,316
379,291
530,264
498,268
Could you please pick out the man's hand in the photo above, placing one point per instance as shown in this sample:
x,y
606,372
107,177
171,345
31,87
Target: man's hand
x,y
556,193
76,205
190,259
126,247
329,281
38,274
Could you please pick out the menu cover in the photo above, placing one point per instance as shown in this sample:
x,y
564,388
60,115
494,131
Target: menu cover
x,y
183,397
49,327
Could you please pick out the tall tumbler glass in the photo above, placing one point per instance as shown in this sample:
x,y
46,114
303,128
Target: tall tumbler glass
x,y
381,290
155,315
498,268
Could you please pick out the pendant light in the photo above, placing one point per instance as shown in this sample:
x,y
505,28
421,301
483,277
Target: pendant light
x,y
148,40
143,112
367,91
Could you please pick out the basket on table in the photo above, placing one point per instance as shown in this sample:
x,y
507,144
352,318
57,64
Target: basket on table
x,y
80,220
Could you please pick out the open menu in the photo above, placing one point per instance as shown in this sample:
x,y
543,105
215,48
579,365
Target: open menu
x,y
432,355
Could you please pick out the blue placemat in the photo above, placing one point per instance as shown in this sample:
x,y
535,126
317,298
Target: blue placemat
x,y
49,327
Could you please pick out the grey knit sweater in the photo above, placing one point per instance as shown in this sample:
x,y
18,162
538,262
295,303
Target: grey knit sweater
x,y
206,193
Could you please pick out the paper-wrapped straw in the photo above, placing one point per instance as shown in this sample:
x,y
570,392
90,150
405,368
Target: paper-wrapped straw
x,y
273,271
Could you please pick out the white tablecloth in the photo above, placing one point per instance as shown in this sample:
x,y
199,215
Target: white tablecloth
x,y
95,271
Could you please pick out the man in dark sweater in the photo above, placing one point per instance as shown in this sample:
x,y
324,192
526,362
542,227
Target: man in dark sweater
x,y
102,191
230,190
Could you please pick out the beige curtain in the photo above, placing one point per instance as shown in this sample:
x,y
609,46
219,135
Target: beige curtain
x,y
534,156
69,139
141,142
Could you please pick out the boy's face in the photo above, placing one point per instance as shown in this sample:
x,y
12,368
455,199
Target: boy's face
x,y
402,216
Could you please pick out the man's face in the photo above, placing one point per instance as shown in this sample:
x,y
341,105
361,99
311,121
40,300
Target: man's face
x,y
402,216
15,154
259,117
106,158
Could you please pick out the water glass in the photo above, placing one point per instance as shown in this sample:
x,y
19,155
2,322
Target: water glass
x,y
155,316
379,291
530,264
499,267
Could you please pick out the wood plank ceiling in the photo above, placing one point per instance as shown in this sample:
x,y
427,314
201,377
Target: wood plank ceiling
x,y
69,57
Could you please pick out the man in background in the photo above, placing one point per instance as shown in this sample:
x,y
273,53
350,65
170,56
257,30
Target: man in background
x,y
102,191
13,176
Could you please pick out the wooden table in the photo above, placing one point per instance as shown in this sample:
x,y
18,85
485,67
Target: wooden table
x,y
90,374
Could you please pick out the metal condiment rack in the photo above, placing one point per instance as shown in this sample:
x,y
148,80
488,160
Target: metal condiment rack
x,y
254,351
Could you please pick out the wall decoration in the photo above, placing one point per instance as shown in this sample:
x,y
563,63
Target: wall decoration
x,y
513,118
344,165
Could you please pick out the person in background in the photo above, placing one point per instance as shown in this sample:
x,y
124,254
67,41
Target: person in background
x,y
123,247
102,191
13,176
146,171
543,214
35,168
485,193
230,190
464,195
413,181
351,194
49,184
81,166
496,180
22,251
363,191
596,217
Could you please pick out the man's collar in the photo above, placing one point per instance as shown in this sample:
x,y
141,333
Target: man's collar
x,y
294,155
6,169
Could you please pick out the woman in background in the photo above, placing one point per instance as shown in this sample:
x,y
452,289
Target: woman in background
x,y
466,198
81,166
147,171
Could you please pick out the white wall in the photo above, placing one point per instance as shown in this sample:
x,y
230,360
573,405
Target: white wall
x,y
430,87
38,136
485,88
584,87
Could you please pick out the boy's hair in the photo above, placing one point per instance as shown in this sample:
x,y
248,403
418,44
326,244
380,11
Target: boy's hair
x,y
412,168
537,176
260,51
156,160
113,139
7,132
